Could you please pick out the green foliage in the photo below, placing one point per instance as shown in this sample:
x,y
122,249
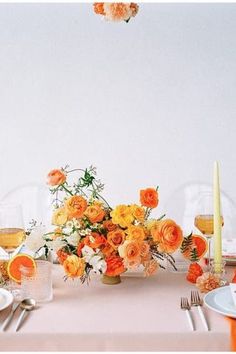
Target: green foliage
x,y
194,255
187,243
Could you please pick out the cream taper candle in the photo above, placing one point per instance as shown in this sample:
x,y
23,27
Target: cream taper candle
x,y
217,220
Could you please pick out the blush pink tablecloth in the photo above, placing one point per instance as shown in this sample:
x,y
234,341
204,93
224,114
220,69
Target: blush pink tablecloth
x,y
139,314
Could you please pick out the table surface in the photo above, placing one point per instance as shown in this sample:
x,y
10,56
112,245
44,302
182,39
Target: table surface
x,y
138,314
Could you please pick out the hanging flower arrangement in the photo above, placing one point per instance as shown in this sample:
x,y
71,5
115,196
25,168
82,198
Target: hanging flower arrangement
x,y
116,11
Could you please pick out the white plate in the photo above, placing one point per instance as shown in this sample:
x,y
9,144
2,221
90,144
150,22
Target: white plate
x,y
6,298
221,301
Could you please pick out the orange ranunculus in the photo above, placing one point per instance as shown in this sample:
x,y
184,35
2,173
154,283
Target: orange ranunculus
x,y
74,266
130,250
75,206
168,235
108,225
149,197
94,213
135,233
56,177
108,250
116,238
151,267
95,240
98,8
62,255
115,266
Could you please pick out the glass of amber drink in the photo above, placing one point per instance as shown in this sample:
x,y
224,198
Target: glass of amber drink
x,y
204,219
12,233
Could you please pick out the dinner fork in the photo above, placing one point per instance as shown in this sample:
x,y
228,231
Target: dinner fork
x,y
184,304
196,301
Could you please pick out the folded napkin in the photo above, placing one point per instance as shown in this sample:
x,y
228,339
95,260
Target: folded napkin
x,y
232,322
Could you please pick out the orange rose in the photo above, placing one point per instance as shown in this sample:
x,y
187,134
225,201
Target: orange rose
x,y
62,255
151,267
56,177
168,235
95,240
108,250
144,251
149,197
116,238
194,271
135,233
75,206
79,248
138,212
108,225
98,8
94,213
115,266
74,266
130,251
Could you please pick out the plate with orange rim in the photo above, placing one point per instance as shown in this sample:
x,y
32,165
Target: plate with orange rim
x,y
220,300
6,299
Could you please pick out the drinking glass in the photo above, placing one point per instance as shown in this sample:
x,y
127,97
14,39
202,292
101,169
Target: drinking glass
x,y
204,219
12,232
37,283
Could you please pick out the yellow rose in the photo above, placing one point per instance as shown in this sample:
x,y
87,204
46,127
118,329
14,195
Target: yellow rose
x,y
74,266
138,212
135,233
122,215
59,217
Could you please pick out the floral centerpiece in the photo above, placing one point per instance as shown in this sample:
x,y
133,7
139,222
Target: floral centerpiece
x,y
91,236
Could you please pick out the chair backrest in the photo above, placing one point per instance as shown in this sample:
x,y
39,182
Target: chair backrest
x,y
181,206
35,200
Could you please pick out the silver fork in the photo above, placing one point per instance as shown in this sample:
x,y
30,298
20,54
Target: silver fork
x,y
184,304
196,301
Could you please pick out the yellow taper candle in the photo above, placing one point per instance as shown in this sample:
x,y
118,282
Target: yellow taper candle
x,y
217,220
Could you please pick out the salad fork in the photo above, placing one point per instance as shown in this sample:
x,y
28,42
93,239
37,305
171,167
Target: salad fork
x,y
184,304
196,301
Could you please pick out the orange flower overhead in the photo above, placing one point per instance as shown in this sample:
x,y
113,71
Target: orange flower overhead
x,y
149,197
116,11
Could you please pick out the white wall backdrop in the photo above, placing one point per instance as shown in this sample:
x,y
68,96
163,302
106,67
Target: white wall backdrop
x,y
148,102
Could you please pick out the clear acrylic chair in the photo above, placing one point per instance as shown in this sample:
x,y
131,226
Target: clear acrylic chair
x,y
35,200
181,207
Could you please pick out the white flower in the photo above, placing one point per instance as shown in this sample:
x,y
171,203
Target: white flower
x,y
56,244
73,239
94,259
87,253
77,224
84,232
69,227
34,241
99,265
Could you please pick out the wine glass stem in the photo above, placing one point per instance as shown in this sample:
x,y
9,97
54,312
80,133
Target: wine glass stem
x,y
209,252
